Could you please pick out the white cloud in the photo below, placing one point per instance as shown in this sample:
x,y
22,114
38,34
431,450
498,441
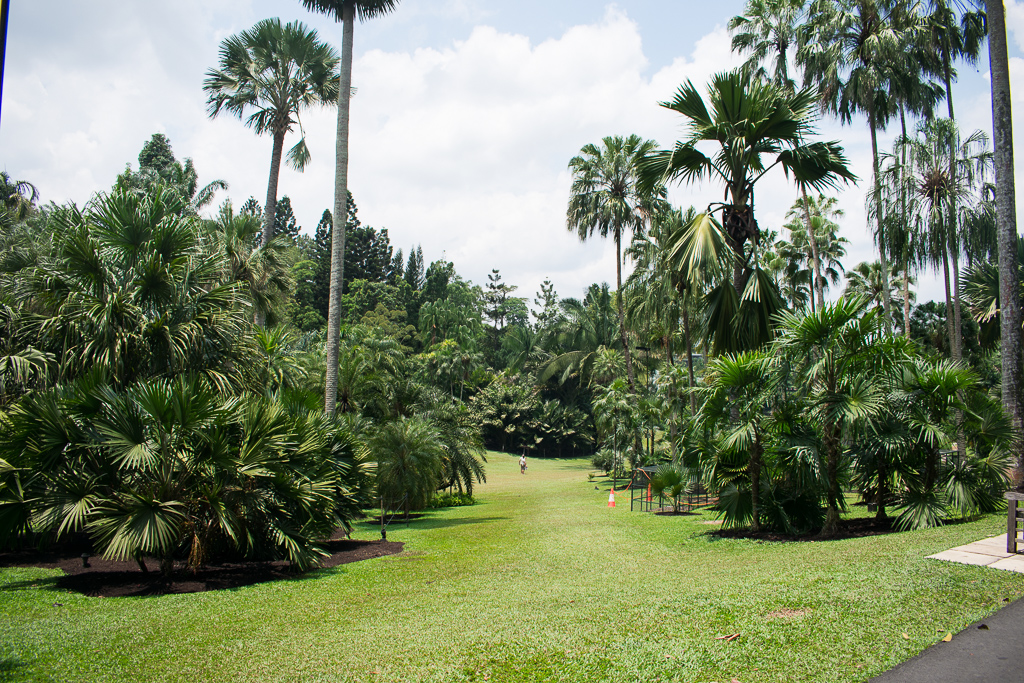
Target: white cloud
x,y
462,148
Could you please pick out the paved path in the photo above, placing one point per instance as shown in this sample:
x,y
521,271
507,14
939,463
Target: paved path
x,y
990,552
987,651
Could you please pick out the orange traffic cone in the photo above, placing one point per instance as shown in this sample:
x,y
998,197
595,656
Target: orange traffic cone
x,y
611,499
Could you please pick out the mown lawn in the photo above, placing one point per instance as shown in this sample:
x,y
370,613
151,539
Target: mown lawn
x,y
538,581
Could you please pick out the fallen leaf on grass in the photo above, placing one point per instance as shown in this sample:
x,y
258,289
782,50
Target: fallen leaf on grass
x,y
669,657
949,637
907,636
735,680
729,638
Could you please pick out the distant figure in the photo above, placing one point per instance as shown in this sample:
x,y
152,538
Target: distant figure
x,y
522,464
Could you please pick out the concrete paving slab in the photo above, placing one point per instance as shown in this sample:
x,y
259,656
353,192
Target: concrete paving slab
x,y
964,557
1013,564
983,549
987,651
995,542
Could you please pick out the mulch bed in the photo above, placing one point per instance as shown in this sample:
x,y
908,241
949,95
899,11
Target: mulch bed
x,y
109,578
848,528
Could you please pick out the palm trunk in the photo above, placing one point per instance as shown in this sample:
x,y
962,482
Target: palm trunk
x,y
906,237
880,495
815,259
755,485
622,320
340,211
1006,219
689,361
832,445
270,212
886,303
949,301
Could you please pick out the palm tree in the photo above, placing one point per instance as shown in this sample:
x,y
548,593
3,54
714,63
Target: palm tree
x,y
409,454
605,198
272,72
748,121
766,31
17,196
830,350
865,281
856,52
740,388
826,249
948,173
344,11
1006,212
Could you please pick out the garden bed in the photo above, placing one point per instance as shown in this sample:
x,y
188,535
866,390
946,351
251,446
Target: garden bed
x,y
856,527
112,578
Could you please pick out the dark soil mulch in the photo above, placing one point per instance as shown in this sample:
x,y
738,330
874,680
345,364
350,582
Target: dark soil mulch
x,y
671,513
109,578
848,528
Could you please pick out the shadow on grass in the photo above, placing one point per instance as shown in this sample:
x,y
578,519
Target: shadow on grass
x,y
48,583
438,523
9,668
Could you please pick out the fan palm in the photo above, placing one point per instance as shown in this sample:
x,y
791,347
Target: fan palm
x,y
830,351
607,199
271,73
755,127
344,11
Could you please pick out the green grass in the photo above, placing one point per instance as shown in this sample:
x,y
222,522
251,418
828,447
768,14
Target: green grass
x,y
538,581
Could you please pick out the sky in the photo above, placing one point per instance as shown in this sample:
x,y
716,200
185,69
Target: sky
x,y
466,116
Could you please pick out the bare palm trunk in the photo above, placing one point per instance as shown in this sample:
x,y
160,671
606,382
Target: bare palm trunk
x,y
886,303
689,360
906,238
755,485
622,320
815,259
949,302
340,211
1006,219
270,212
831,527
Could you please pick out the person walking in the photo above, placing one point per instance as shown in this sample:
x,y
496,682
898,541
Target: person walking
x,y
522,463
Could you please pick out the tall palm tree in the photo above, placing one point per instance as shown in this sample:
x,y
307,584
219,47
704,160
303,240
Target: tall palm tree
x,y
344,11
765,31
856,51
825,249
1006,213
752,126
17,196
948,173
605,198
272,72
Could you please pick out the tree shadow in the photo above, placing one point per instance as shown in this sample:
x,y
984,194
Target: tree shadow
x,y
9,668
439,523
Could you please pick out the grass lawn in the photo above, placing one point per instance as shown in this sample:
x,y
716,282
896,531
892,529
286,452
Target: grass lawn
x,y
538,581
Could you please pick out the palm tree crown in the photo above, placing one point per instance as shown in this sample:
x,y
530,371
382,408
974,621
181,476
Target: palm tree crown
x,y
272,72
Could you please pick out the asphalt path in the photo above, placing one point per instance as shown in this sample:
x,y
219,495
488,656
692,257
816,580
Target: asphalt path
x,y
990,650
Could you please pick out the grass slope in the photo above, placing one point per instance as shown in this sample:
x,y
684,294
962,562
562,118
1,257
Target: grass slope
x,y
538,581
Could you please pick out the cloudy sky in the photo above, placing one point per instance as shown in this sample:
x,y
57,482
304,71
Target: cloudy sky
x,y
466,115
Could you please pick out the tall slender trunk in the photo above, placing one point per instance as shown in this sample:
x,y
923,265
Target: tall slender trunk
x,y
880,236
622,320
755,485
270,210
1006,220
689,361
949,300
340,210
907,236
880,494
832,445
259,317
815,258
